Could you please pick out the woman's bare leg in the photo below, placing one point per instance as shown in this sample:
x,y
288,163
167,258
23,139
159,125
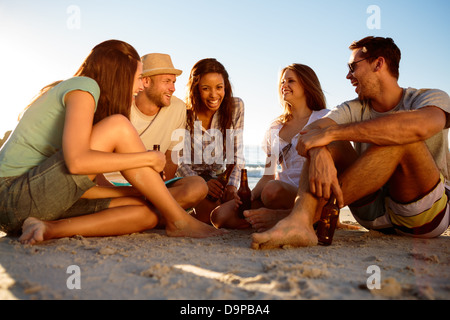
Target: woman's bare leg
x,y
189,191
125,215
278,195
116,134
264,214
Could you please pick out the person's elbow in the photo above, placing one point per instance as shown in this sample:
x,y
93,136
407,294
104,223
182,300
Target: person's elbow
x,y
75,165
435,123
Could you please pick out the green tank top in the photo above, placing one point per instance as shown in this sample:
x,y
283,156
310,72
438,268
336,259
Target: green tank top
x,y
39,133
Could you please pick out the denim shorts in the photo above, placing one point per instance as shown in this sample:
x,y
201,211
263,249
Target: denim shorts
x,y
47,192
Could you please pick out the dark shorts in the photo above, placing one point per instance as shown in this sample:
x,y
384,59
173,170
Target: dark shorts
x,y
47,192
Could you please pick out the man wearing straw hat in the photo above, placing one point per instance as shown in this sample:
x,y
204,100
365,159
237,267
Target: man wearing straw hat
x,y
156,114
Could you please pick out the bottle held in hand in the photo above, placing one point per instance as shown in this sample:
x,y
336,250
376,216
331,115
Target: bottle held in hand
x,y
156,147
223,178
327,223
245,194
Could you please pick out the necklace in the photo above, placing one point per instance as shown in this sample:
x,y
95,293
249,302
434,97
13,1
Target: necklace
x,y
150,123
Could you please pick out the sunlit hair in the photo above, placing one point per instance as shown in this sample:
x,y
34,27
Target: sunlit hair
x,y
315,98
194,103
375,47
112,64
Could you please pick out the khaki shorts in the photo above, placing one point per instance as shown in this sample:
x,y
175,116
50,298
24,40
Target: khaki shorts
x,y
428,217
47,192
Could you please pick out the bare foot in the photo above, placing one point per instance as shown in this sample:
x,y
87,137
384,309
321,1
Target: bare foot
x,y
191,227
33,231
290,231
263,219
226,216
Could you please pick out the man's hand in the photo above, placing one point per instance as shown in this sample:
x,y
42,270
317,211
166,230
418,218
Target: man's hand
x,y
229,193
157,160
312,138
323,178
215,188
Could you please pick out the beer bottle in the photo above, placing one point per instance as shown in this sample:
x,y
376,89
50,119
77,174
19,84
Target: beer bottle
x,y
327,223
245,194
156,147
223,178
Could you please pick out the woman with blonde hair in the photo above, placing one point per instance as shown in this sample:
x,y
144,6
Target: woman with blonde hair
x,y
75,130
303,102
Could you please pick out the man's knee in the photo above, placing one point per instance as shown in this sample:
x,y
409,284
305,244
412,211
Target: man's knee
x,y
195,188
200,186
413,158
414,171
410,149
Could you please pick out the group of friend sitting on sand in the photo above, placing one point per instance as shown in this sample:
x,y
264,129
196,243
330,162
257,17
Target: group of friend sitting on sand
x,y
82,161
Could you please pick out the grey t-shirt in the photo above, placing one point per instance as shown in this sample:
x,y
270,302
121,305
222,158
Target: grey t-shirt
x,y
413,99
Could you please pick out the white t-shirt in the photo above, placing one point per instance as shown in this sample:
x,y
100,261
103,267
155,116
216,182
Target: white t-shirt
x,y
164,123
292,163
159,132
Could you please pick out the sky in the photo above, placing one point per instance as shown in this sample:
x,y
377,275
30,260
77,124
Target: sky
x,y
44,41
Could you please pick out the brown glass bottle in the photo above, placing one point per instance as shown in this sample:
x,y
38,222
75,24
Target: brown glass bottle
x,y
327,223
245,194
156,147
223,178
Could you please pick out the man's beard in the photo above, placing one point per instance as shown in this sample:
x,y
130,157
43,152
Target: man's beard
x,y
155,98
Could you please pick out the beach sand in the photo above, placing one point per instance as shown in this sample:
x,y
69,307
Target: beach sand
x,y
152,266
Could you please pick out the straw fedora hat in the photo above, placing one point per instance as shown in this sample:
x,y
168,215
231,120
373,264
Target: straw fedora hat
x,y
158,63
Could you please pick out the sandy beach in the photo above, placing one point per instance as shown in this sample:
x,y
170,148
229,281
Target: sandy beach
x,y
152,266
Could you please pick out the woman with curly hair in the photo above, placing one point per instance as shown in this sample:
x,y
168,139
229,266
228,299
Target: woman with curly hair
x,y
215,122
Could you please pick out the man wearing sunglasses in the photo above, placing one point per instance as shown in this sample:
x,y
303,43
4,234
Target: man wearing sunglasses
x,y
393,179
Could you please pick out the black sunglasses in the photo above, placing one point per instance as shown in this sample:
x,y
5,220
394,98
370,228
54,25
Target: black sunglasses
x,y
351,66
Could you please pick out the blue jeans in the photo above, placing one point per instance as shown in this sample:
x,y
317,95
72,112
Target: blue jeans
x,y
47,192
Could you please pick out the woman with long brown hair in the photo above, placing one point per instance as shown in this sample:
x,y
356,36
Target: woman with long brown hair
x,y
75,130
303,102
215,122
